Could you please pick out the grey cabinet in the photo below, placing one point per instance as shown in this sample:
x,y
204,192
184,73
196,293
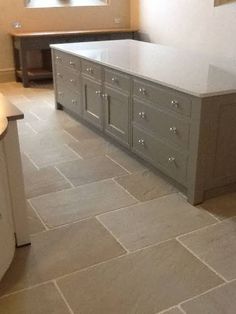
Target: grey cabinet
x,y
117,114
92,102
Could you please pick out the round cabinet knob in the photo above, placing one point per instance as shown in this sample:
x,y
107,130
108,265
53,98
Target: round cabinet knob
x,y
89,70
71,63
59,74
72,80
105,96
115,80
98,92
142,91
175,103
173,130
141,142
74,102
171,160
142,115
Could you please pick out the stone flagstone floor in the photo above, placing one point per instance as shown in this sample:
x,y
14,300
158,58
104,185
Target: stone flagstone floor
x,y
110,236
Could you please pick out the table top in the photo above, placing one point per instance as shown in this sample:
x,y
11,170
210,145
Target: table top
x,y
76,32
8,112
192,73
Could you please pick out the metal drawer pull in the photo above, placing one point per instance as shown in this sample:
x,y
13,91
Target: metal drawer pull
x,y
71,63
142,91
105,96
142,115
173,130
175,103
89,70
141,142
115,80
72,80
74,102
98,92
171,160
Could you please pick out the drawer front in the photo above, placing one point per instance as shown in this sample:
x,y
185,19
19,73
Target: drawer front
x,y
162,124
117,80
171,100
69,78
68,60
92,70
69,99
170,161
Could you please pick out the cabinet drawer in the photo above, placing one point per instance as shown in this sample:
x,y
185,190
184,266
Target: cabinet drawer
x,y
67,77
171,100
69,99
68,60
161,123
117,80
170,161
92,70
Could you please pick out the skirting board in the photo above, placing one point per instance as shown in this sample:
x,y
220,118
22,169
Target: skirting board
x,y
7,75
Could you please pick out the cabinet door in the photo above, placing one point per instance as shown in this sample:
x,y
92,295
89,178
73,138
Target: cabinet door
x,y
92,102
117,114
7,241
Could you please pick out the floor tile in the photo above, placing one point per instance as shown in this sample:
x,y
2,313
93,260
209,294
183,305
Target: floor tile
x,y
155,221
58,252
82,202
222,207
146,185
82,133
86,171
175,310
44,181
92,148
216,245
35,225
218,301
148,281
57,122
126,161
41,300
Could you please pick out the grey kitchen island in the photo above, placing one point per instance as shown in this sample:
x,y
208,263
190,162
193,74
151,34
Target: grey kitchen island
x,y
173,108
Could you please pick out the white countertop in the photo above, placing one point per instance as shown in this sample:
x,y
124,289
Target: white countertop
x,y
188,72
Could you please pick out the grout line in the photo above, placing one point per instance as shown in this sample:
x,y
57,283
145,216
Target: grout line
x,y
213,216
181,310
112,234
35,115
31,160
39,217
26,289
128,172
119,185
201,260
200,229
166,310
74,152
75,139
29,125
62,174
63,297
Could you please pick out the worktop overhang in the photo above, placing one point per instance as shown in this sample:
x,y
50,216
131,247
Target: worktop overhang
x,y
191,73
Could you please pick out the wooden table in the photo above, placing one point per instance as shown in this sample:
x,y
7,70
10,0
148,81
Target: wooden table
x,y
25,42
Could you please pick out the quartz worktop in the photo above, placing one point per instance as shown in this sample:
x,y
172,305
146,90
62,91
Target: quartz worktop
x,y
195,74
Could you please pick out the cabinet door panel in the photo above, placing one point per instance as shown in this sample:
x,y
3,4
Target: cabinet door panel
x,y
117,114
92,102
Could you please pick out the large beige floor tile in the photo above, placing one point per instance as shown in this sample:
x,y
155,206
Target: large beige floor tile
x,y
155,221
126,161
82,133
92,147
216,245
145,185
59,252
82,202
35,225
148,281
86,171
44,181
41,300
57,122
218,301
222,207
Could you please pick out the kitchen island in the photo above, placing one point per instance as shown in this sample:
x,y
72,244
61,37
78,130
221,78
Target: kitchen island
x,y
173,108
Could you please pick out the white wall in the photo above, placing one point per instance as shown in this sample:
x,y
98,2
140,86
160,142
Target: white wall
x,y
191,24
